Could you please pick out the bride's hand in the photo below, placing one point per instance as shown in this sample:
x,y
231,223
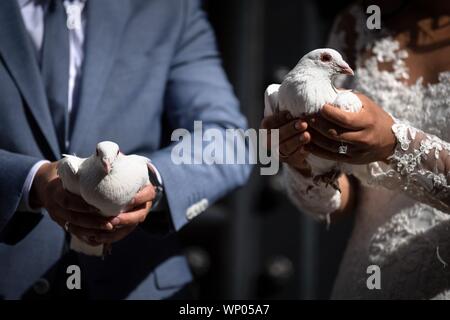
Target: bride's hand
x,y
367,134
293,137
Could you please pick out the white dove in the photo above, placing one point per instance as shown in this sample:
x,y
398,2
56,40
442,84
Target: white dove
x,y
107,180
305,90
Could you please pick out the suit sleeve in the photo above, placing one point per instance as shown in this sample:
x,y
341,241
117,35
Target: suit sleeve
x,y
14,169
198,90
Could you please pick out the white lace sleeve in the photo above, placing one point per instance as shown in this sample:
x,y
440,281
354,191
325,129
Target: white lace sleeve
x,y
313,198
421,166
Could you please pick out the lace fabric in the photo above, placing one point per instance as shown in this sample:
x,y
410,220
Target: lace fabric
x,y
421,164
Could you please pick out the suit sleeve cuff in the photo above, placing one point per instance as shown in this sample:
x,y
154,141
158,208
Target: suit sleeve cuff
x,y
24,204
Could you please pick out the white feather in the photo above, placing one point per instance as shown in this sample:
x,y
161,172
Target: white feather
x,y
347,101
271,99
67,170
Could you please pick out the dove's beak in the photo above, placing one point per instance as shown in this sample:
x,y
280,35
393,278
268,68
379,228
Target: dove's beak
x,y
106,165
344,68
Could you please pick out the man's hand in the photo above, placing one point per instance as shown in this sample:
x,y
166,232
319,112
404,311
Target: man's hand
x,y
124,223
47,192
84,220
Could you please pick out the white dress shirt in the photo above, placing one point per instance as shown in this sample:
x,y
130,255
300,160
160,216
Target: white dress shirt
x,y
33,16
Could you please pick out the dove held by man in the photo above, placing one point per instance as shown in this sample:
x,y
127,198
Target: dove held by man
x,y
107,180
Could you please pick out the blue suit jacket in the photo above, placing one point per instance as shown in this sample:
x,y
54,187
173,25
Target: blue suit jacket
x,y
145,60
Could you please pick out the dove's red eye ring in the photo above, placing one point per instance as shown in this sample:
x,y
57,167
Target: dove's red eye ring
x,y
325,57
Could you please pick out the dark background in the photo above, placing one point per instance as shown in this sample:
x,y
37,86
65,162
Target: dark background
x,y
255,244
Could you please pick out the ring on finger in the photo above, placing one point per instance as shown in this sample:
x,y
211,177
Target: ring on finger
x,y
342,148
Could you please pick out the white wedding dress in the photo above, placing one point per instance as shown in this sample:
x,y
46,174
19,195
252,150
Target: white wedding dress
x,y
402,214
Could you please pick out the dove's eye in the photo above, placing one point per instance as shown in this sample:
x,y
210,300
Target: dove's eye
x,y
118,151
325,57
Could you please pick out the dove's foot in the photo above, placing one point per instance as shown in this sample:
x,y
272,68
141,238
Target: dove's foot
x,y
329,179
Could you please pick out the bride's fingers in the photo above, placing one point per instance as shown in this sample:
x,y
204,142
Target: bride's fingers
x,y
290,146
276,120
291,129
339,134
349,120
326,154
330,129
360,158
331,145
286,132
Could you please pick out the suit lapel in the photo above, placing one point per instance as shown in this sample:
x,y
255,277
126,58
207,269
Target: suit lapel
x,y
20,59
104,25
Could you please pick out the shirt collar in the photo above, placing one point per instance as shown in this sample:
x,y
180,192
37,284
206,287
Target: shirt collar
x,y
23,3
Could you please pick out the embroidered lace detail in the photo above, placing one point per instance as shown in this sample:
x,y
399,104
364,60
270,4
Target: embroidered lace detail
x,y
419,166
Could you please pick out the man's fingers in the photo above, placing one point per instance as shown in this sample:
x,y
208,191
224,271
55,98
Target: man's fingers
x,y
146,194
90,236
71,201
134,217
85,220
95,237
75,203
118,234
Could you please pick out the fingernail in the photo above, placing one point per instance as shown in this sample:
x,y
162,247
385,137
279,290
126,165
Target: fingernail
x,y
109,226
302,138
299,125
115,221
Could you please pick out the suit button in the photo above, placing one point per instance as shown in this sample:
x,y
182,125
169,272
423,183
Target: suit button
x,y
42,286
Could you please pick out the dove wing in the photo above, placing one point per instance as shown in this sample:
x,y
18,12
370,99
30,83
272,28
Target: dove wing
x,y
271,99
68,172
347,101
